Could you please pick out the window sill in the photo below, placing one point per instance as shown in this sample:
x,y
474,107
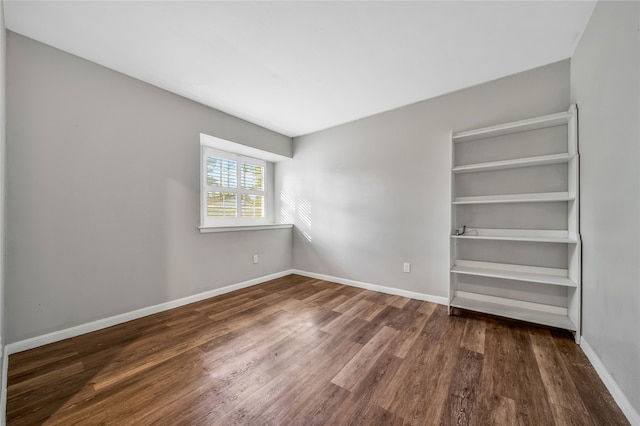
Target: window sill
x,y
236,228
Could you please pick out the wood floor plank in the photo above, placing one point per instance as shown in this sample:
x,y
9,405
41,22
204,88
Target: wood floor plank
x,y
240,308
396,318
563,396
437,323
135,361
462,401
204,402
511,371
349,303
372,311
140,396
400,302
426,308
301,292
302,351
600,404
303,401
494,410
320,296
384,298
435,376
473,337
40,397
330,301
318,410
340,323
407,337
412,305
328,357
19,389
360,331
236,378
91,414
365,413
251,409
227,304
360,365
412,381
29,368
361,404
266,347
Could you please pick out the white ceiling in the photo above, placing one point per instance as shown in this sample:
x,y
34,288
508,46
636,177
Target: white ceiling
x,y
300,66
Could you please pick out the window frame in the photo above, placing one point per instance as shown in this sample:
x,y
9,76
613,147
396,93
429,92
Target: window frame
x,y
205,188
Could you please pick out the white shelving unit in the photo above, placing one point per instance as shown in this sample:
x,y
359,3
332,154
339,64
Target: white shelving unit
x,y
515,240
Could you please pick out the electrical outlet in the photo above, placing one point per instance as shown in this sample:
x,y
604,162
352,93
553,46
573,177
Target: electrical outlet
x,y
406,267
255,258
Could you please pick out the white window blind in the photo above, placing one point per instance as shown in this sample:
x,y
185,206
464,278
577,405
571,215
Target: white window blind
x,y
233,189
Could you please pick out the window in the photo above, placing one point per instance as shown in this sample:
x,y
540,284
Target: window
x,y
233,189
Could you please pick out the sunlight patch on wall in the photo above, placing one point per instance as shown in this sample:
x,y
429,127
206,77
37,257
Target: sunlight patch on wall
x,y
297,212
287,207
304,214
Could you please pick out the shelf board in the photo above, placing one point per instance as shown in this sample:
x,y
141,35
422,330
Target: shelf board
x,y
526,235
514,272
514,198
537,317
542,160
545,121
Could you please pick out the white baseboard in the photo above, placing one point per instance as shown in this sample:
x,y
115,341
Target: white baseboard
x,y
619,396
56,336
374,287
615,391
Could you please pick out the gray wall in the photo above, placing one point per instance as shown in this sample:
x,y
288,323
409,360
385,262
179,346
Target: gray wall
x,y
371,194
103,195
605,77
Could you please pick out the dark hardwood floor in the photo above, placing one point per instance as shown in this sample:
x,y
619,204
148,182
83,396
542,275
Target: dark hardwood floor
x,y
299,351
